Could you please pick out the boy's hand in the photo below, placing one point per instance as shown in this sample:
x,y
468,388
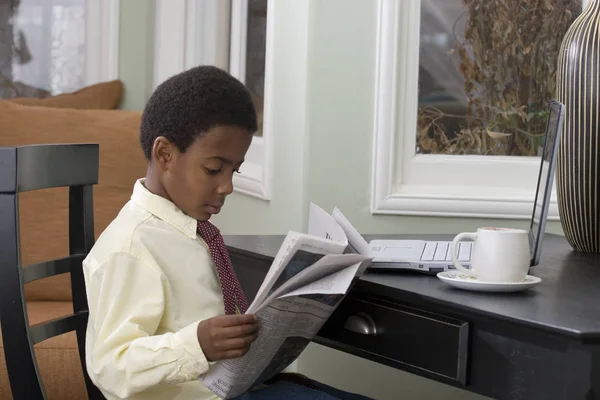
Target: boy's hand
x,y
227,336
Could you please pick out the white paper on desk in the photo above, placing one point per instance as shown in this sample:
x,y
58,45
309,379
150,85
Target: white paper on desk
x,y
357,243
323,225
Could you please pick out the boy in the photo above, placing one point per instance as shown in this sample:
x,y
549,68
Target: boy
x,y
164,301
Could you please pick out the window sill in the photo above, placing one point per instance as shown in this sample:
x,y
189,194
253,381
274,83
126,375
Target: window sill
x,y
453,201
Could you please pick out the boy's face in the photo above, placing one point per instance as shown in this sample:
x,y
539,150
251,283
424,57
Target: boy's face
x,y
198,180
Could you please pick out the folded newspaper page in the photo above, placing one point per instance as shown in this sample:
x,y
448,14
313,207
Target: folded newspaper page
x,y
308,278
336,227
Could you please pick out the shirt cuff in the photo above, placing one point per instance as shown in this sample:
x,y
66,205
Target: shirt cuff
x,y
191,361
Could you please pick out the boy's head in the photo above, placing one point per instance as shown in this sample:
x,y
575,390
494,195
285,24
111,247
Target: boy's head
x,y
196,129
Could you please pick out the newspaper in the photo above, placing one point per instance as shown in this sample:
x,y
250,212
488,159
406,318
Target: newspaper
x,y
307,280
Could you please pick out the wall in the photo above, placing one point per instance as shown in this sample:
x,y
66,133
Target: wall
x,y
136,55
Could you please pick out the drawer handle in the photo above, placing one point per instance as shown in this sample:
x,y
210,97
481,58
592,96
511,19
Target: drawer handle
x,y
361,323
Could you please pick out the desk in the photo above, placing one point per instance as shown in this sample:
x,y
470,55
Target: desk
x,y
543,343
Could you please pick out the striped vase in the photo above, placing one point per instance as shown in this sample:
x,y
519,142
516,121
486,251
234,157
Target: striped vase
x,y
578,167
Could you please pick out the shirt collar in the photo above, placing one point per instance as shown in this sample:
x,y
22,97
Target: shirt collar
x,y
163,209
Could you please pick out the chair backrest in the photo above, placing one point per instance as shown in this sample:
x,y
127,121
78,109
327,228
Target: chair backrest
x,y
32,168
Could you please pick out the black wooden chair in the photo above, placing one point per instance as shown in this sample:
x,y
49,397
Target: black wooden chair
x,y
31,168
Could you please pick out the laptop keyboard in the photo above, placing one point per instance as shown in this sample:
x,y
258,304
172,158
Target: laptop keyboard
x,y
440,251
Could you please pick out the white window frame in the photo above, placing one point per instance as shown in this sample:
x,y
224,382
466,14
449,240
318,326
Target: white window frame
x,y
405,183
102,40
195,32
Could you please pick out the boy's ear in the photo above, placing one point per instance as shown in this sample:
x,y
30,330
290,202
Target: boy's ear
x,y
163,152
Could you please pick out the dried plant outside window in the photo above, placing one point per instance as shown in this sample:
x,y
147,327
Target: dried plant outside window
x,y
508,60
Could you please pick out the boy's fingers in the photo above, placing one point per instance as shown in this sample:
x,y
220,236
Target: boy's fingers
x,y
235,353
239,331
238,319
238,343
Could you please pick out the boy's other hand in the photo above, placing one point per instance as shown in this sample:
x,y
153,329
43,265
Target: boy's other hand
x,y
227,336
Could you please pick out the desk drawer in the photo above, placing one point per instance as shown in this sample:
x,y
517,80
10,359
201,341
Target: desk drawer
x,y
401,336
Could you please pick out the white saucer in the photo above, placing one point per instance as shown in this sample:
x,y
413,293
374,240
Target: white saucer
x,y
467,282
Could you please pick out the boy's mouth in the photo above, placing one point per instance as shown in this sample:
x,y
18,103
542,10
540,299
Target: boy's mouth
x,y
214,208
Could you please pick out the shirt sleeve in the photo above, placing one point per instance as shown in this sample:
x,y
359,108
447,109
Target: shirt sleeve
x,y
125,355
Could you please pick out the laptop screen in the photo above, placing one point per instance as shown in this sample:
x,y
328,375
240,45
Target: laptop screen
x,y
545,179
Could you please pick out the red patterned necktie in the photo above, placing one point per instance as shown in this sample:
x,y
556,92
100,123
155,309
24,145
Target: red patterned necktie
x,y
233,295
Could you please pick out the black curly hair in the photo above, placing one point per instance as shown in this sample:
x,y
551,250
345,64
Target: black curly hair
x,y
188,104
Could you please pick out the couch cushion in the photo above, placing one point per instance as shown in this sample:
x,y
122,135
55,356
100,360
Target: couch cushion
x,y
43,213
57,358
104,95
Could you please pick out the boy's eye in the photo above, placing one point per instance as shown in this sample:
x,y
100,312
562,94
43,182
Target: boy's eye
x,y
212,171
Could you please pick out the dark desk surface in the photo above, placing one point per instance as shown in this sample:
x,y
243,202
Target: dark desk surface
x,y
566,302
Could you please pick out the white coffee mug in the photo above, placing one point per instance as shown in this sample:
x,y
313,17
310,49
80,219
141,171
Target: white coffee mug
x,y
498,255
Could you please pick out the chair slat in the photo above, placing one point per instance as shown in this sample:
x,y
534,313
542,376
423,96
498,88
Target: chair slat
x,y
45,166
51,268
56,327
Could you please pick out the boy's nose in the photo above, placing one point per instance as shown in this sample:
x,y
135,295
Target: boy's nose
x,y
226,186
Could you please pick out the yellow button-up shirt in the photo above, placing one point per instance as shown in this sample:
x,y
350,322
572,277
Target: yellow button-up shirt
x,y
150,280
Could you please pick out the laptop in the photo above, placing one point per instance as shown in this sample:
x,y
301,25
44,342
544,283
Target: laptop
x,y
434,256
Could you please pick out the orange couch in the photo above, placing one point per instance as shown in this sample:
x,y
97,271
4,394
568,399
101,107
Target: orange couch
x,y
43,214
